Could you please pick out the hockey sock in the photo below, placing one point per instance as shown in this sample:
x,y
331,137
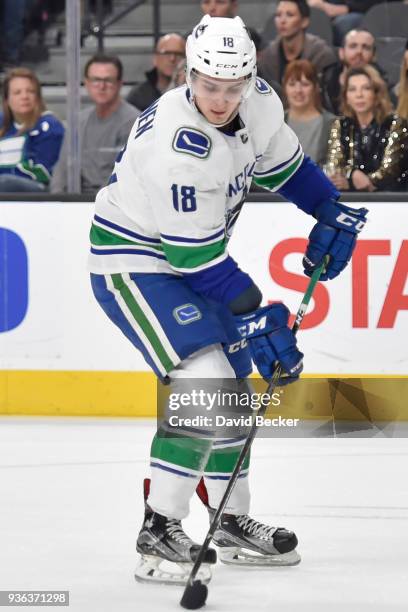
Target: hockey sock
x,y
220,465
177,463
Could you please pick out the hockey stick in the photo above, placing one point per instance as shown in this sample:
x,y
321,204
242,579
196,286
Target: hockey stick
x,y
195,592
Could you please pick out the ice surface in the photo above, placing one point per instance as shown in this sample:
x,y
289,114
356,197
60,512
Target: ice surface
x,y
71,506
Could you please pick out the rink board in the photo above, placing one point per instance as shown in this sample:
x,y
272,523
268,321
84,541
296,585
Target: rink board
x,y
60,355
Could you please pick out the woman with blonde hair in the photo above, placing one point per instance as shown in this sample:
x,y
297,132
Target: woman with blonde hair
x,y
304,113
368,145
30,136
402,87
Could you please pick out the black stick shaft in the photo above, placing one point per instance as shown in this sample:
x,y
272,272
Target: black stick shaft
x,y
252,433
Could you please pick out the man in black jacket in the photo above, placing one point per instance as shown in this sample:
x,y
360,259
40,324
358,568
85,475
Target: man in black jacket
x,y
170,49
358,50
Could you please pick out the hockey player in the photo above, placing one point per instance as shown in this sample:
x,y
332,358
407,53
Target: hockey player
x,y
162,273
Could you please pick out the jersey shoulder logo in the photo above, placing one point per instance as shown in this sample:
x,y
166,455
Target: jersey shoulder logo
x,y
262,86
192,142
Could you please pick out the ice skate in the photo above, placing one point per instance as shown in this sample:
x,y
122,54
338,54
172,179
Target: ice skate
x,y
167,553
244,541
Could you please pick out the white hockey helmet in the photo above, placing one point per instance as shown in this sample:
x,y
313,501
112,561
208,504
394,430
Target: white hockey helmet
x,y
221,48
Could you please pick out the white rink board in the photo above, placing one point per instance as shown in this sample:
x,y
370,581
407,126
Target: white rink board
x,y
64,328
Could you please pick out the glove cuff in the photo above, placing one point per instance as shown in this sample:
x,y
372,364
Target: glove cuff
x,y
337,215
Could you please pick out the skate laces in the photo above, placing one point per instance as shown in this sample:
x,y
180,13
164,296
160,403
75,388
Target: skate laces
x,y
259,530
175,530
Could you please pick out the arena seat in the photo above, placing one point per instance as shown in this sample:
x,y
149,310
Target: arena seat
x,y
388,19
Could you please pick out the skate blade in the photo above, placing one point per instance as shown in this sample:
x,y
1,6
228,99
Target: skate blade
x,y
151,569
235,555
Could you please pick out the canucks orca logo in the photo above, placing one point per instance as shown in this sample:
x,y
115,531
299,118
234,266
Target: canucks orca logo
x,y
192,142
187,313
200,30
262,86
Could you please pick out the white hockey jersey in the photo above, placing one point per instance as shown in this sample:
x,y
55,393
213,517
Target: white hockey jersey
x,y
178,186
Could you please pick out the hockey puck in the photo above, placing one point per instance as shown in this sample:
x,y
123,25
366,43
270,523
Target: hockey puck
x,y
194,596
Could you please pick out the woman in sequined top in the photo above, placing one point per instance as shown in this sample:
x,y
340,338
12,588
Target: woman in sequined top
x,y
402,87
368,145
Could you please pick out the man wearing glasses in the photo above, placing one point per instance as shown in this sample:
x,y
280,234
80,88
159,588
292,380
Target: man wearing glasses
x,y
170,49
104,126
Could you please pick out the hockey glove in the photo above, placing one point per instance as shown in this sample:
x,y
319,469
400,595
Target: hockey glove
x,y
271,341
334,234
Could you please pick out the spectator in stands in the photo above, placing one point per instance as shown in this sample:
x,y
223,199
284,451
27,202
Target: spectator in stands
x,y
170,49
368,146
305,115
346,14
30,136
219,8
292,42
402,87
358,50
104,127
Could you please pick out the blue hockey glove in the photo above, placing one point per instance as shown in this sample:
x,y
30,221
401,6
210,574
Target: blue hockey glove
x,y
270,341
334,234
